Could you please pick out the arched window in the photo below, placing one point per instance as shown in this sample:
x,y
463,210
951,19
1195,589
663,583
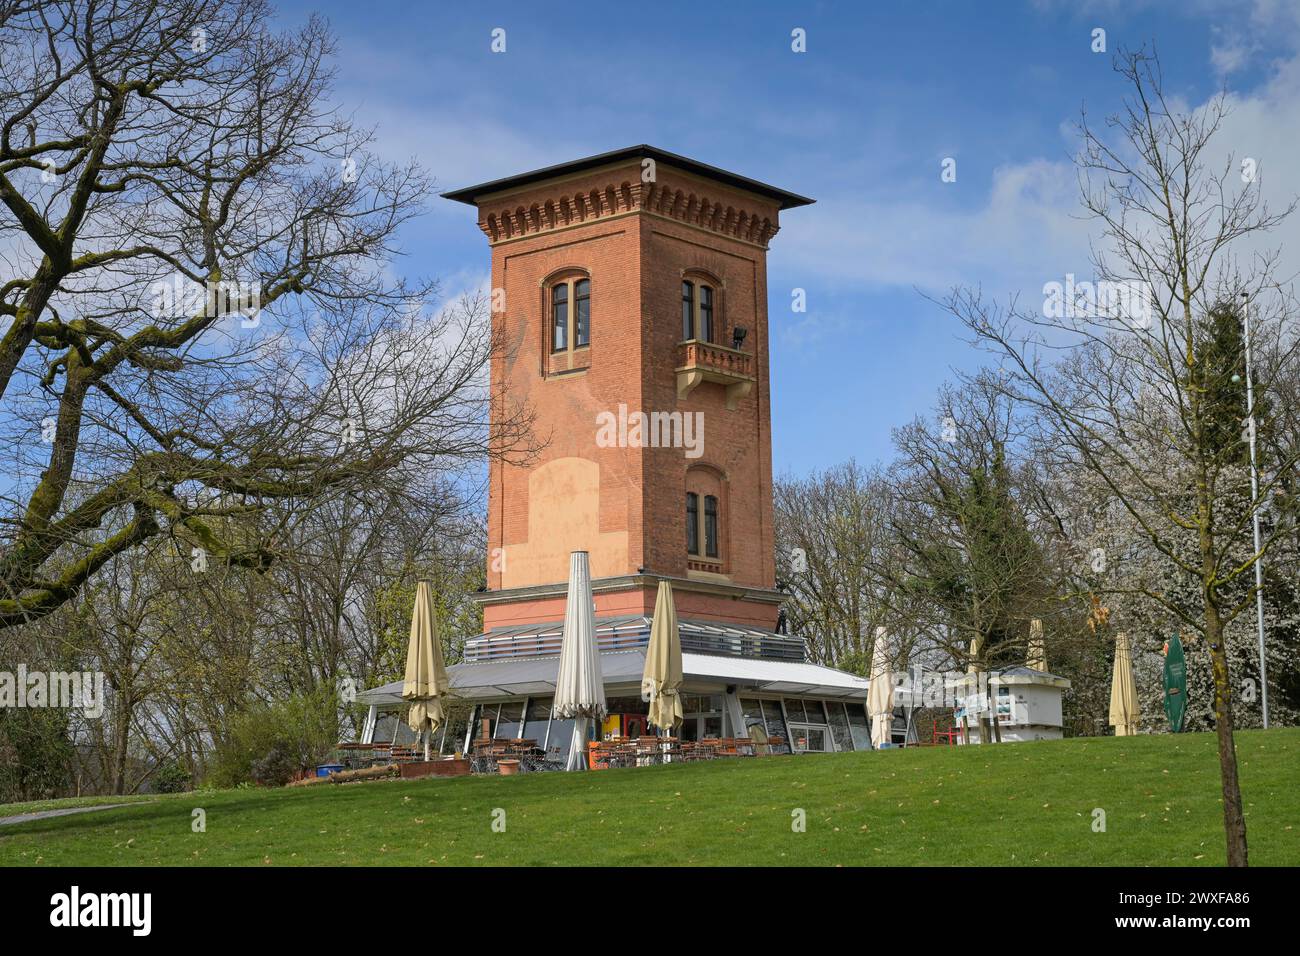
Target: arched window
x,y
706,520
570,314
698,298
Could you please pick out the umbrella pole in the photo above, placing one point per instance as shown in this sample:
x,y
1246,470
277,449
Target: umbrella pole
x,y
578,745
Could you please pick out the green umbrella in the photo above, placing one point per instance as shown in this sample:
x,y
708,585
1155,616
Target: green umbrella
x,y
1175,684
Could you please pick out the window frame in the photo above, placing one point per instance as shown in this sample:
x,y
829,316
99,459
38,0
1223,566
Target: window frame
x,y
581,295
705,482
710,524
693,523
705,327
555,326
701,286
572,301
688,310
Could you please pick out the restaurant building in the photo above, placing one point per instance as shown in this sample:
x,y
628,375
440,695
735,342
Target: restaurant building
x,y
630,296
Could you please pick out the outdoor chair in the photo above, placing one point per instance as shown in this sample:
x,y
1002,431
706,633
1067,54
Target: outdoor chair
x,y
406,755
627,755
533,760
482,757
649,750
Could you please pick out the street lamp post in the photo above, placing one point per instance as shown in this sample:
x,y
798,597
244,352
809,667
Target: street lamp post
x,y
1254,507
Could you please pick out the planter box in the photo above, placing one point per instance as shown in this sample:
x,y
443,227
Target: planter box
x,y
435,768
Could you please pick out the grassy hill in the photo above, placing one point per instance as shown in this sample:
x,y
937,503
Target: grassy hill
x,y
1009,805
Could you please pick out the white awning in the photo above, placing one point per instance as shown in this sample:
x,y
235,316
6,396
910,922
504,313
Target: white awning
x,y
535,676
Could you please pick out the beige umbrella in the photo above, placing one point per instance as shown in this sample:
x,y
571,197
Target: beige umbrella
x,y
579,686
1037,647
1124,712
663,664
426,682
880,692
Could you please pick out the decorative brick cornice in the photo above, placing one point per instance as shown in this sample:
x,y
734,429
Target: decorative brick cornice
x,y
502,221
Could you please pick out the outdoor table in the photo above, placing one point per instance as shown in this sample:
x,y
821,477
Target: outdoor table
x,y
486,754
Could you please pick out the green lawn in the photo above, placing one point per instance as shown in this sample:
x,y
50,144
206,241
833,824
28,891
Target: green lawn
x,y
1014,804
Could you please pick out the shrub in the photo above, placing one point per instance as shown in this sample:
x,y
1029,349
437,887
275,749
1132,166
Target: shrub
x,y
36,753
270,743
171,777
278,767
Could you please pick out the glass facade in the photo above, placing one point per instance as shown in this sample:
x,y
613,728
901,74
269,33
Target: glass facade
x,y
752,712
809,738
814,712
702,716
814,725
510,720
840,730
775,722
452,734
537,718
628,717
859,726
561,739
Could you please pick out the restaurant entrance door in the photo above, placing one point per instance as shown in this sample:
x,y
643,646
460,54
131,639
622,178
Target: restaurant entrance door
x,y
702,716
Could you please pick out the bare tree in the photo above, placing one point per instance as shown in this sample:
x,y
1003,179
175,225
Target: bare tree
x,y
830,529
203,320
1138,397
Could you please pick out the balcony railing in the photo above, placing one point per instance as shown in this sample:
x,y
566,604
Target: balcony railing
x,y
697,637
699,362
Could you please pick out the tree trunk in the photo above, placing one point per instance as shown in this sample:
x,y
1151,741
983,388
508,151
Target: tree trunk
x,y
1234,821
121,741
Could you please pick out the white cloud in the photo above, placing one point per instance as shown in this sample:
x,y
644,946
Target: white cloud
x,y
1024,229
1028,227
1228,52
460,150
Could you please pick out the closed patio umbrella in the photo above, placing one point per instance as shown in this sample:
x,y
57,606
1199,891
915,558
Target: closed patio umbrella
x,y
1124,712
426,682
880,693
579,688
663,663
1037,648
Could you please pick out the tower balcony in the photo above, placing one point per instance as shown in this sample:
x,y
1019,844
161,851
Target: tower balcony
x,y
699,362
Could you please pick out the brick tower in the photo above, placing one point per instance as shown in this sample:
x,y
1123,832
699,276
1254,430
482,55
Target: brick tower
x,y
634,323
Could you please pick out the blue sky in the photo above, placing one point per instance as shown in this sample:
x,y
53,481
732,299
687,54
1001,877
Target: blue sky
x,y
861,122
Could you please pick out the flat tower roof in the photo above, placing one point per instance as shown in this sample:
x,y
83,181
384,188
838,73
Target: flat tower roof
x,y
471,194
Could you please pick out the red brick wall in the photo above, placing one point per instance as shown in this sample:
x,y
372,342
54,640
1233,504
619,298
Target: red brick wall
x,y
738,444
636,257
